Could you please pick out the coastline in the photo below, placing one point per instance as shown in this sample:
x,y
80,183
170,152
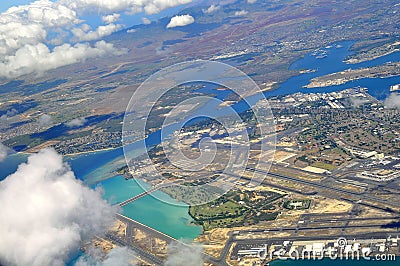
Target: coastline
x,y
74,154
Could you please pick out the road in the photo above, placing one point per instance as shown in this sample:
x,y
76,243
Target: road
x,y
323,186
278,240
145,193
141,195
138,251
150,231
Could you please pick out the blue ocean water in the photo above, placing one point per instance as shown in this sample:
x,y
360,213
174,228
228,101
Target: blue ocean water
x,y
10,164
333,62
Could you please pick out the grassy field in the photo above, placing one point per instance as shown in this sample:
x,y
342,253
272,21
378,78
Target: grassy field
x,y
220,213
325,166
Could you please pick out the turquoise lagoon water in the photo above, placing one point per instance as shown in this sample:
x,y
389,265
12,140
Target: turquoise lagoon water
x,y
169,219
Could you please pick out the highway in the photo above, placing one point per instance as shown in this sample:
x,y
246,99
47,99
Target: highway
x,y
134,224
322,186
331,227
144,254
138,251
278,240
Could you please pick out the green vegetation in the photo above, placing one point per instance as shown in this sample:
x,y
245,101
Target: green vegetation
x,y
237,208
297,204
325,166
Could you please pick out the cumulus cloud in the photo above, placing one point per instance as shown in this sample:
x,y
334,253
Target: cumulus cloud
x,y
47,212
241,13
44,120
39,58
357,102
111,18
101,31
182,255
4,150
146,21
211,9
393,101
179,21
119,256
132,6
8,115
251,1
29,34
77,122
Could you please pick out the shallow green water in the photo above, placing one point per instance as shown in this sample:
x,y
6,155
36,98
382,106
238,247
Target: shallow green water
x,y
169,219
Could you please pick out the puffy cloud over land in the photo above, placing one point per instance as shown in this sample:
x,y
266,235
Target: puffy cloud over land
x,y
119,256
39,58
179,21
241,13
33,37
44,120
132,6
77,122
3,151
100,32
146,21
181,254
47,212
211,9
393,101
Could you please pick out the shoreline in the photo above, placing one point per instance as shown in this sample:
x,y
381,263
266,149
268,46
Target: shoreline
x,y
73,154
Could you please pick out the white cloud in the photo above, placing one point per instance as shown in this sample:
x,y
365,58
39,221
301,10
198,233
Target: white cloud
x,y
156,6
251,1
45,13
211,9
4,150
111,18
241,13
28,31
393,101
357,102
179,21
77,122
182,255
44,120
133,6
146,21
39,58
47,212
119,256
100,32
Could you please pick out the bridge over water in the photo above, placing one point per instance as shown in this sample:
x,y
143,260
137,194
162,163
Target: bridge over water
x,y
147,192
